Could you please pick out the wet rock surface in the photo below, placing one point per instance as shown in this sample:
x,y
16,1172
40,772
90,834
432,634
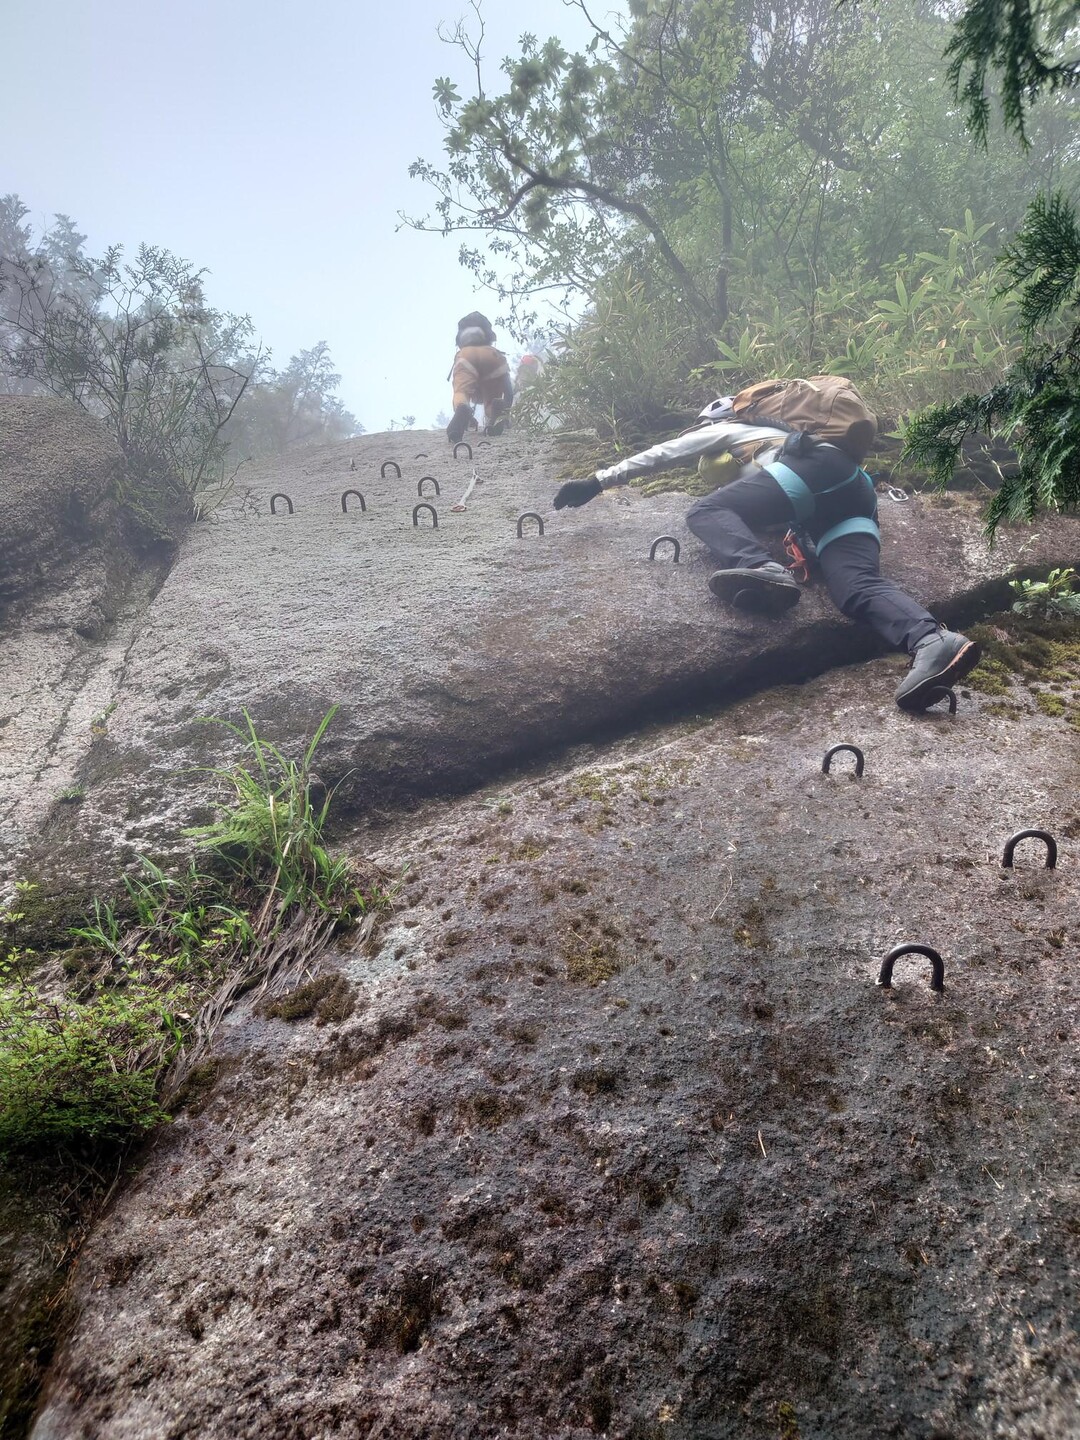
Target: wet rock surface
x,y
71,591
36,1234
454,652
621,1138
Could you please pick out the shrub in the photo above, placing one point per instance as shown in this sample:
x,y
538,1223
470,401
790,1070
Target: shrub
x,y
623,367
938,324
1055,597
149,985
72,1072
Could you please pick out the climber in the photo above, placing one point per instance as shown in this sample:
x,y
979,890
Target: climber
x,y
480,374
528,373
779,476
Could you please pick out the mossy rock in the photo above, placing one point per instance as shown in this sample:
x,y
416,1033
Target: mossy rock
x,y
48,917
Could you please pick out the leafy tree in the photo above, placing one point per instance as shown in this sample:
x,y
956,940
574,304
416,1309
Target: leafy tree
x,y
704,164
708,140
51,259
185,388
291,408
137,346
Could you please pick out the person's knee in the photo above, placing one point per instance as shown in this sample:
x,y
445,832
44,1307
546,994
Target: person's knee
x,y
708,506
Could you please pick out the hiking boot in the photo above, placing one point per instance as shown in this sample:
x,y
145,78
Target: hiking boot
x,y
455,431
497,427
937,662
767,589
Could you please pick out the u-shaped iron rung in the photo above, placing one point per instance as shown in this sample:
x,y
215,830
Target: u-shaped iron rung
x,y
860,759
660,540
529,515
420,485
345,501
385,463
280,496
1043,835
463,444
431,509
937,965
420,455
943,693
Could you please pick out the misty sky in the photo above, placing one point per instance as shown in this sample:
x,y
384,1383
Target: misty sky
x,y
270,143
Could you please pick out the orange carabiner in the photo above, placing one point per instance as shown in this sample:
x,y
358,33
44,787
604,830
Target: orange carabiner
x,y
799,567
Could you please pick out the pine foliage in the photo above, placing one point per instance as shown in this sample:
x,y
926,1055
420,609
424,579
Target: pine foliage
x,y
1013,38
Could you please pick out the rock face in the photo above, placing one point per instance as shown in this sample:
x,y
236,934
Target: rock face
x,y
71,589
454,652
616,1135
622,1139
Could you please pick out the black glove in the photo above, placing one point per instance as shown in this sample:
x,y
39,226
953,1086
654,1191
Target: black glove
x,y
577,492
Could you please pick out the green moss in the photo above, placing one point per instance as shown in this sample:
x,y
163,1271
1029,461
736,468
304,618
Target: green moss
x,y
46,916
194,1093
592,786
1031,646
1050,704
786,1419
591,960
990,677
1029,651
330,998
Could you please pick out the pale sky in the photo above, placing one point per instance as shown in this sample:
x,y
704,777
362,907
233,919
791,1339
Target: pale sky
x,y
270,143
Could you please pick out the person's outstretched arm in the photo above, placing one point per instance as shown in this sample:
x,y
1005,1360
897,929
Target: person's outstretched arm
x,y
707,440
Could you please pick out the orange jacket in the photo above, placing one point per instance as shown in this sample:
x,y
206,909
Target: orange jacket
x,y
480,373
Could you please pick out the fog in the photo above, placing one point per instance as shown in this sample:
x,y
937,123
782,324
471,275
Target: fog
x,y
269,143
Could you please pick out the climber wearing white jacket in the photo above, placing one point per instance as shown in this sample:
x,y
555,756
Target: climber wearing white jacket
x,y
790,479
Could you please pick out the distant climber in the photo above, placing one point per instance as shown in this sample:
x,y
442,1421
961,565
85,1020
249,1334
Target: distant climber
x,y
528,372
480,375
802,471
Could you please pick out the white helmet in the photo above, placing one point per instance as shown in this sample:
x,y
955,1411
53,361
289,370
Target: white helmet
x,y
719,409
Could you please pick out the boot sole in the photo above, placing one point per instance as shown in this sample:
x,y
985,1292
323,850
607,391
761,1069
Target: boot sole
x,y
755,594
962,663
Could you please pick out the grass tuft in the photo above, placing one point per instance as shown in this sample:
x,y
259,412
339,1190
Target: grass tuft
x,y
99,1055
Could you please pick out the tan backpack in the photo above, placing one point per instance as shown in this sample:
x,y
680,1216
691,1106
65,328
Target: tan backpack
x,y
825,406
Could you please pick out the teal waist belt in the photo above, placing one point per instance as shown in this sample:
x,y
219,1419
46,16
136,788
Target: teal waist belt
x,y
802,501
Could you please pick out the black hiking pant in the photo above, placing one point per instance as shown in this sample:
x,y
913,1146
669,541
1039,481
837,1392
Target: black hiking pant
x,y
851,564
